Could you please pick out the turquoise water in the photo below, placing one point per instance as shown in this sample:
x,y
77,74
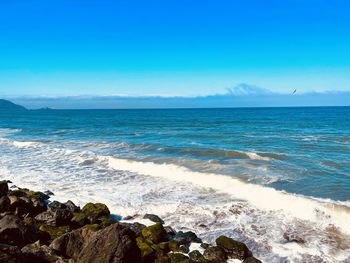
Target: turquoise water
x,y
299,150
251,173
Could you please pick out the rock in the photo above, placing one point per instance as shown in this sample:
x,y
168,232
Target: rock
x,y
204,245
4,188
70,245
49,193
293,237
59,217
251,260
233,248
91,214
215,254
170,232
155,233
162,259
136,227
14,232
4,204
72,207
186,238
39,253
145,248
177,247
23,205
55,232
153,218
10,254
114,244
178,258
197,257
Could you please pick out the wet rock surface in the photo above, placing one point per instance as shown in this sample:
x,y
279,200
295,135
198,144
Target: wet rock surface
x,y
33,229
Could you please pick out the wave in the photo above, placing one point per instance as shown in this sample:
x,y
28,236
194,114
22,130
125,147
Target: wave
x,y
317,210
26,144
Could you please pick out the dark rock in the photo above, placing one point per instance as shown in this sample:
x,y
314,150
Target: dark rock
x,y
233,248
90,214
170,232
24,205
186,238
14,232
71,206
215,254
70,245
10,254
178,258
153,218
55,232
197,257
205,245
126,218
59,217
39,253
155,233
114,244
4,204
135,227
4,188
49,193
293,237
162,259
177,247
251,260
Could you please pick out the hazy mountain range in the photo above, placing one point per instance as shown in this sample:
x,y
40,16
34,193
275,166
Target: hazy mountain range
x,y
243,95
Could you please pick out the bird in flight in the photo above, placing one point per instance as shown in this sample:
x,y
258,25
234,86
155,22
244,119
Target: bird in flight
x,y
294,91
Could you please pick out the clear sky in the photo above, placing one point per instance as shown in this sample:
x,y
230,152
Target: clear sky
x,y
170,48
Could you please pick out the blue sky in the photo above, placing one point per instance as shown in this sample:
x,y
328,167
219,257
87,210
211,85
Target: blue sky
x,y
183,48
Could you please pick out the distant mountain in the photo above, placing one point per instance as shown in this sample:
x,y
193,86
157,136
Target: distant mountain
x,y
8,105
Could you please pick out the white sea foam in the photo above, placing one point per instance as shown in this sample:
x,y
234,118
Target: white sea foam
x,y
207,203
26,144
255,156
262,197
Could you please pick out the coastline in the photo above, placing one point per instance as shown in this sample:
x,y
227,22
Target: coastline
x,y
35,229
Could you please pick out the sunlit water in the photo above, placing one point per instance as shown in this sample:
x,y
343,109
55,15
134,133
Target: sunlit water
x,y
253,174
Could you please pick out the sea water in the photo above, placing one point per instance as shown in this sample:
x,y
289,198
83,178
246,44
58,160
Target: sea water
x,y
256,174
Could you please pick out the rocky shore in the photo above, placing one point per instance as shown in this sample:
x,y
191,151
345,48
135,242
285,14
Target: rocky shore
x,y
35,229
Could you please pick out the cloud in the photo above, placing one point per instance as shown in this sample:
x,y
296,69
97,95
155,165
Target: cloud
x,y
243,95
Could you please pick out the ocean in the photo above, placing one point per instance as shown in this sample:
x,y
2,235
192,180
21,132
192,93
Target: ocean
x,y
259,175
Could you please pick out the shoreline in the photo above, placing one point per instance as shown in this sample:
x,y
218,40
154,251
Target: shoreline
x,y
35,229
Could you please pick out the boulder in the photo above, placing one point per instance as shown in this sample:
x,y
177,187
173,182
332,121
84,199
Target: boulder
x,y
4,188
70,244
197,257
114,244
178,258
155,233
233,248
153,218
186,238
58,217
251,260
91,214
4,204
136,227
15,232
215,255
10,254
39,253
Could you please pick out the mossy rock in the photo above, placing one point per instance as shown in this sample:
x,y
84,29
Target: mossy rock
x,y
92,227
93,214
55,232
177,247
178,258
197,257
252,260
145,248
156,233
233,248
215,254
